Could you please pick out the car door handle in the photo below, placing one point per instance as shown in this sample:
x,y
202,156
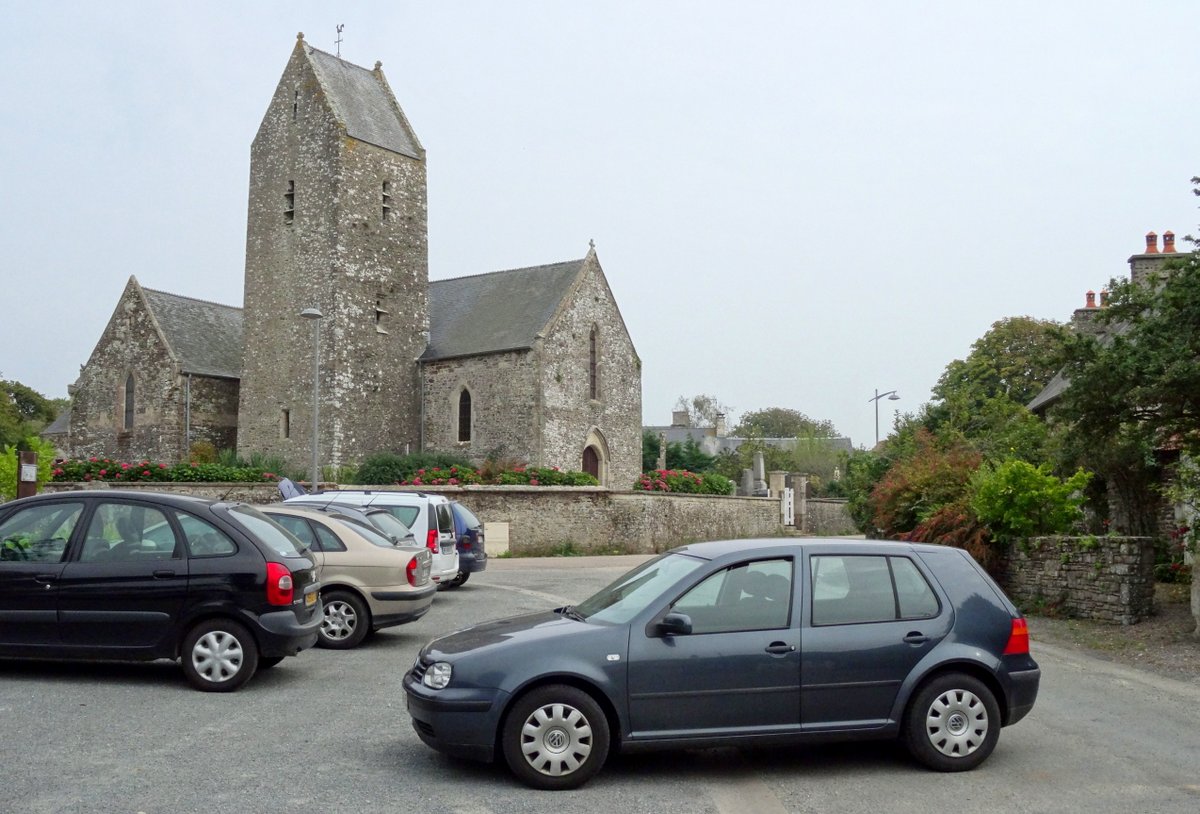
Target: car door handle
x,y
45,579
779,648
916,637
163,573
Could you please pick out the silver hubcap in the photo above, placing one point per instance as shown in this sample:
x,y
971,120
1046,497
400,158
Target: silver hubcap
x,y
556,739
217,656
957,723
340,620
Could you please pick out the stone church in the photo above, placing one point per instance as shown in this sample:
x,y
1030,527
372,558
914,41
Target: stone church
x,y
533,364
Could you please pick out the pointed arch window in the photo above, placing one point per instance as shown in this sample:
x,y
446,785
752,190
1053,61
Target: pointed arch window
x,y
127,422
464,416
593,359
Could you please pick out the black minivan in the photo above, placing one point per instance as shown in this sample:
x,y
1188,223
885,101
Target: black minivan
x,y
108,574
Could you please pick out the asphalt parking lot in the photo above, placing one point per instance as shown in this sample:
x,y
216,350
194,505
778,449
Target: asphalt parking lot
x,y
327,731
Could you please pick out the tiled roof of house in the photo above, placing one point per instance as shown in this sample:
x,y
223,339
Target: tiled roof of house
x,y
363,103
205,337
503,310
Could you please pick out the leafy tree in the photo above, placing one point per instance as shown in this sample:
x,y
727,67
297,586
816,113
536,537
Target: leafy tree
x,y
782,422
1144,371
23,412
1014,359
650,448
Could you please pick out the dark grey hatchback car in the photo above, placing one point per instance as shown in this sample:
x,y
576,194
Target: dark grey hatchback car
x,y
739,643
110,574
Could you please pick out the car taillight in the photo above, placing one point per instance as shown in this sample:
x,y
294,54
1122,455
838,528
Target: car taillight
x,y
465,543
279,584
410,571
1018,639
431,542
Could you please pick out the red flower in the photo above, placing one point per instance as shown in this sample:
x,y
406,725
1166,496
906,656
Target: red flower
x,y
124,466
58,471
103,472
145,473
453,481
93,460
162,466
533,481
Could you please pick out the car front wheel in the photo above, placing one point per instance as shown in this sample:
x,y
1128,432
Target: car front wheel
x,y
219,655
346,622
555,737
953,723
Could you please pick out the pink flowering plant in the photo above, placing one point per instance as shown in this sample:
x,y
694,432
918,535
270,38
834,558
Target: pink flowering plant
x,y
83,470
683,482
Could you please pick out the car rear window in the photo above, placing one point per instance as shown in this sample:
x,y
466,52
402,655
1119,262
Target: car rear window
x,y
445,520
466,517
405,514
266,531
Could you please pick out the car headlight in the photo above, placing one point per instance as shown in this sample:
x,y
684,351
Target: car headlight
x,y
437,677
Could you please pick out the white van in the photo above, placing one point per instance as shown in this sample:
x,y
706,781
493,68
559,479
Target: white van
x,y
428,516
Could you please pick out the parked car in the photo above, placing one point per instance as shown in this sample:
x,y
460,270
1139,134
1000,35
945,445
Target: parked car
x,y
738,643
427,516
381,520
367,581
132,575
469,538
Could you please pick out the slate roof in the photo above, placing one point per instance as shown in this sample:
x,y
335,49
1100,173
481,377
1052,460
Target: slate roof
x,y
61,424
205,337
1050,393
503,310
363,104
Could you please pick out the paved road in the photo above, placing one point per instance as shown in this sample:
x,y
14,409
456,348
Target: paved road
x,y
327,732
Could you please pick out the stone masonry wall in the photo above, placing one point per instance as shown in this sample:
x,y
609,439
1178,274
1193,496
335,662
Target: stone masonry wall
x,y
544,519
827,517
1110,579
614,419
130,344
503,414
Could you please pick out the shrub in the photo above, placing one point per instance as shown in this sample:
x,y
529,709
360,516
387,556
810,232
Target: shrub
x,y
917,486
955,524
1016,499
108,470
384,468
683,481
202,452
10,465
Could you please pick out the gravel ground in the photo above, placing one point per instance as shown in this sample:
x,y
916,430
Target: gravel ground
x,y
1163,644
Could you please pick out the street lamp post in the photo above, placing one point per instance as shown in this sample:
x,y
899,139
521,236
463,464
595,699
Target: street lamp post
x,y
890,396
315,317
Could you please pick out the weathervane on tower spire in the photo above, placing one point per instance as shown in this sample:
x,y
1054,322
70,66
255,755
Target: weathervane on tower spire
x,y
338,41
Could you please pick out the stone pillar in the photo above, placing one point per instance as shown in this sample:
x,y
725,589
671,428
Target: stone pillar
x,y
776,480
662,451
800,485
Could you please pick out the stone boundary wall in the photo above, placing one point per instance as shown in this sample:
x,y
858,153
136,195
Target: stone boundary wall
x,y
1110,579
828,517
550,519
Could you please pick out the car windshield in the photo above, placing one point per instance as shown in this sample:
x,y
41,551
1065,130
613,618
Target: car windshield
x,y
632,593
267,530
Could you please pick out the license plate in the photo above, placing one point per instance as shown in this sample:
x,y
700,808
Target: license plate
x,y
310,599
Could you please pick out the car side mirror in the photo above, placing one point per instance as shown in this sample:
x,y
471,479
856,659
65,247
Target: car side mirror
x,y
675,624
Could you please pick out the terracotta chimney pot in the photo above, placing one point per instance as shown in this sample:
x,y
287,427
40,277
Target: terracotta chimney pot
x,y
1151,243
1169,242
1104,298
1091,299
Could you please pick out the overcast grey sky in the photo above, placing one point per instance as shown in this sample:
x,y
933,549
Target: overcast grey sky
x,y
795,203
